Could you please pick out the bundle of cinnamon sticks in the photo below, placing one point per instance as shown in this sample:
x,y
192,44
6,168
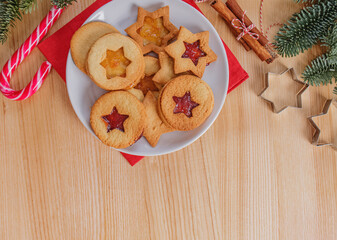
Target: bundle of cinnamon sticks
x,y
261,46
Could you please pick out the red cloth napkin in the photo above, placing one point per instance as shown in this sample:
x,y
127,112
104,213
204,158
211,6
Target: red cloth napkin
x,y
56,48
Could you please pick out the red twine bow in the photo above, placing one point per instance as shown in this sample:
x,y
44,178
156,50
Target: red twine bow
x,y
244,28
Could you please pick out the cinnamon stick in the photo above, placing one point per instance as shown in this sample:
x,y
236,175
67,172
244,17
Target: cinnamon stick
x,y
227,14
244,44
238,12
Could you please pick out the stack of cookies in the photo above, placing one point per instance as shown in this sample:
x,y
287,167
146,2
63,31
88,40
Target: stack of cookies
x,y
153,77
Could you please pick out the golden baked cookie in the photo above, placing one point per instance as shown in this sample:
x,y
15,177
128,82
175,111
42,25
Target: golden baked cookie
x,y
118,119
154,126
152,30
151,65
137,93
185,102
166,71
84,38
191,52
115,62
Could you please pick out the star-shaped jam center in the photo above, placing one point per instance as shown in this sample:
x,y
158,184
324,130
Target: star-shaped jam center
x,y
115,120
193,52
146,84
153,31
184,104
115,63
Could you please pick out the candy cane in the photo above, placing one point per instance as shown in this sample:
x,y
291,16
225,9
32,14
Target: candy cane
x,y
20,54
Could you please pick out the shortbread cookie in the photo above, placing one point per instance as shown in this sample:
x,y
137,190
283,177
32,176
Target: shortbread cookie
x,y
115,62
84,38
166,71
191,52
151,65
118,119
152,30
185,102
137,93
154,126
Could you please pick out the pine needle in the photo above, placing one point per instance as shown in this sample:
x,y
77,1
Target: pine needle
x,y
62,3
305,28
12,10
323,70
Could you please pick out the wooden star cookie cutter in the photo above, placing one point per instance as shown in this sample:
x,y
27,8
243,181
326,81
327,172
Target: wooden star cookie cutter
x,y
164,13
298,95
177,49
315,139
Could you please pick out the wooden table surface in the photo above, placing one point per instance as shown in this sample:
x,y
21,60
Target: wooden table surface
x,y
253,175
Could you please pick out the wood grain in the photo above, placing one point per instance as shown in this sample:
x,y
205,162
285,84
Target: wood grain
x,y
253,175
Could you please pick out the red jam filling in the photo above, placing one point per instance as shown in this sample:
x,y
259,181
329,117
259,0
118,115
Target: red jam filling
x,y
184,104
146,84
193,52
115,120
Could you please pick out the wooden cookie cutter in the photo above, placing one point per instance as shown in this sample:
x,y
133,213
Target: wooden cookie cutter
x,y
315,139
298,95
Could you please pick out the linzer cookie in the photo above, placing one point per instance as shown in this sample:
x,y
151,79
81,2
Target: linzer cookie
x,y
115,62
154,126
118,119
185,102
84,38
191,52
152,30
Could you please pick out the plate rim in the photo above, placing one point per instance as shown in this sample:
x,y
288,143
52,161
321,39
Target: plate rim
x,y
202,132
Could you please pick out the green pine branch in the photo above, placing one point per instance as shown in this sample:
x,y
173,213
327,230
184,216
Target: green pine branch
x,y
62,3
305,28
323,70
9,12
27,6
12,10
320,71
308,1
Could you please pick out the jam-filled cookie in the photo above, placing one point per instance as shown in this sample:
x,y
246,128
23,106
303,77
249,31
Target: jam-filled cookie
x,y
118,119
185,102
154,126
84,38
152,30
115,62
191,52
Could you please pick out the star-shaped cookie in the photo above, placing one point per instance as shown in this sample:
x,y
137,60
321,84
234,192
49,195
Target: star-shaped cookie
x,y
166,71
152,30
191,52
320,124
154,126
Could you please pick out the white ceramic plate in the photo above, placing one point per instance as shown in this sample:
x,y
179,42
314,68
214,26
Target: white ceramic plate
x,y
121,14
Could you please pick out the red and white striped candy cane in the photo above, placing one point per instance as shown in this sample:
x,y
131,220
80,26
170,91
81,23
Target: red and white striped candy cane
x,y
21,54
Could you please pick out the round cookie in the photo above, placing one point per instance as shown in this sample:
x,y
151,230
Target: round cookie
x,y
115,62
84,38
185,102
118,119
